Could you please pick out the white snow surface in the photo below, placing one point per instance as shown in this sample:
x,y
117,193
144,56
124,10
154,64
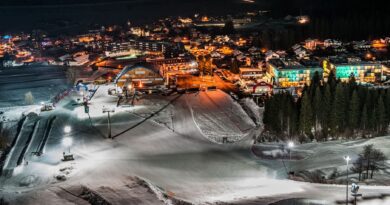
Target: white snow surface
x,y
181,161
218,116
256,111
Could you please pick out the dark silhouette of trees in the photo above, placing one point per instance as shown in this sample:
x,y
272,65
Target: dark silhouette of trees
x,y
370,160
229,27
331,109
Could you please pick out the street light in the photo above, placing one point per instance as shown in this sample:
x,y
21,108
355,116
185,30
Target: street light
x,y
67,129
67,142
290,146
347,159
108,111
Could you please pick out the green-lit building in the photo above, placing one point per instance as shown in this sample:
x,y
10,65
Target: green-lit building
x,y
363,71
292,73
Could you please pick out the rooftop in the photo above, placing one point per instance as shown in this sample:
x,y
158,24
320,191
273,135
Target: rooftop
x,y
293,64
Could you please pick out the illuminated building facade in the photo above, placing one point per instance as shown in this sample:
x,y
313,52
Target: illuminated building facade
x,y
136,47
364,72
251,73
141,74
169,67
291,73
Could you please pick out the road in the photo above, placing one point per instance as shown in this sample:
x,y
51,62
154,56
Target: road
x,y
225,85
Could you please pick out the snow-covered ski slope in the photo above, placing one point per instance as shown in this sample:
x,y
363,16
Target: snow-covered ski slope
x,y
181,161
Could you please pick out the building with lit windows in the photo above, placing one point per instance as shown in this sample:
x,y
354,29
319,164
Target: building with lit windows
x,y
144,75
171,67
291,73
137,47
251,73
345,68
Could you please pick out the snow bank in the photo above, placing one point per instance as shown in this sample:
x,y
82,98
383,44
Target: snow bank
x,y
218,116
16,112
276,153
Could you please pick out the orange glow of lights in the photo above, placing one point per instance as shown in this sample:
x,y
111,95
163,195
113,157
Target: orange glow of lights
x,y
205,19
378,44
303,20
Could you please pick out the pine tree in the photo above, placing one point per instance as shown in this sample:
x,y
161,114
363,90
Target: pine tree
x,y
332,81
229,27
327,109
317,108
381,115
354,109
339,108
387,106
315,83
305,119
364,118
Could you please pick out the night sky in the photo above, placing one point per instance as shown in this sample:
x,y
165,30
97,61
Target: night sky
x,y
75,15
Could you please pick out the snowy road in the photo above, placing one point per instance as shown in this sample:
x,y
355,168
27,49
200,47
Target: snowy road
x,y
182,162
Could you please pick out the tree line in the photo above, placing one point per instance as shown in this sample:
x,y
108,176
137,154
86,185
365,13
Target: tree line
x,y
327,110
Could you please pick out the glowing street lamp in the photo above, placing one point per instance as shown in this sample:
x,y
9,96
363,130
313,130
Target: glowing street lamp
x,y
347,159
67,129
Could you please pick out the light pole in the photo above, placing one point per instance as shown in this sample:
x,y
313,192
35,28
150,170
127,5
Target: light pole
x,y
67,141
108,111
347,159
290,146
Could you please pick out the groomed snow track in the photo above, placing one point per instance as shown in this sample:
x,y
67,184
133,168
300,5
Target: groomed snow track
x,y
26,129
26,145
46,134
4,157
